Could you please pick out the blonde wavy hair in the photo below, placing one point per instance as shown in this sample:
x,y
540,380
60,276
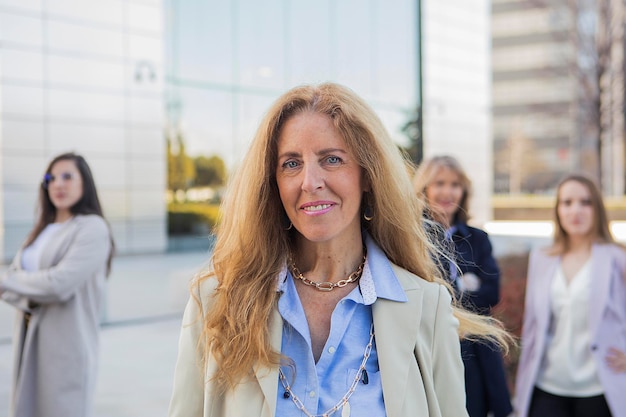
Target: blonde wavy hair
x,y
425,175
252,242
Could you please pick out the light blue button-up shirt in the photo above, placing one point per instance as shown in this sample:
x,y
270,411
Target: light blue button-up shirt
x,y
320,386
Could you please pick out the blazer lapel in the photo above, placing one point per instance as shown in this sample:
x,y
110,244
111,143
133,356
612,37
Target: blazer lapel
x,y
268,378
600,285
396,326
541,295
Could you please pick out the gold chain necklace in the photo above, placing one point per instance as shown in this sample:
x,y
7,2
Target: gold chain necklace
x,y
343,402
327,285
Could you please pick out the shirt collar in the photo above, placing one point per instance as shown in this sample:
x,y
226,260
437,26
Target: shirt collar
x,y
461,229
377,281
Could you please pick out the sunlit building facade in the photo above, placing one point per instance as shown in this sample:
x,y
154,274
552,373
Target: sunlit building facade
x,y
111,80
226,62
84,76
558,93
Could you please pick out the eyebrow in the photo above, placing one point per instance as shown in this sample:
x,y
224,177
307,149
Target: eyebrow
x,y
324,151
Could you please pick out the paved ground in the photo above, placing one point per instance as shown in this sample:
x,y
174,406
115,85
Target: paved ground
x,y
146,297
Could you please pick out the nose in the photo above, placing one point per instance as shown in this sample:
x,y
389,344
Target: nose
x,y
313,178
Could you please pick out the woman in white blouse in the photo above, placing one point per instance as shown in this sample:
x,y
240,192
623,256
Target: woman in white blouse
x,y
57,283
573,360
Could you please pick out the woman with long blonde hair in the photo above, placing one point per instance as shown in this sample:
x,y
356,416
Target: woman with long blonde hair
x,y
322,298
472,271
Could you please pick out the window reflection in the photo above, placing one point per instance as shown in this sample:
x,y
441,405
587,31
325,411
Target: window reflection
x,y
227,61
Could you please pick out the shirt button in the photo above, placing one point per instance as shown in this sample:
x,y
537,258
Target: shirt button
x,y
331,350
312,394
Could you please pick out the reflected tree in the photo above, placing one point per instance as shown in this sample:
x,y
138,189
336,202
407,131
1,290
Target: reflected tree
x,y
413,131
181,170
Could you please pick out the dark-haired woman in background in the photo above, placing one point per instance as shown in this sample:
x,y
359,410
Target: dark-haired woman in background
x,y
57,283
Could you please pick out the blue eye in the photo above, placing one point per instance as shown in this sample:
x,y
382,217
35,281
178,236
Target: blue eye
x,y
290,164
333,159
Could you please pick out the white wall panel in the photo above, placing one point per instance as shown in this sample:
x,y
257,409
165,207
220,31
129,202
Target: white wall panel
x,y
20,206
147,141
91,138
82,72
109,11
21,100
21,135
21,30
148,174
108,172
147,111
145,204
83,39
15,233
145,17
142,47
21,65
113,201
77,105
26,5
119,229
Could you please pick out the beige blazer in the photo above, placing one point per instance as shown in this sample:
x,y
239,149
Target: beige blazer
x,y
422,328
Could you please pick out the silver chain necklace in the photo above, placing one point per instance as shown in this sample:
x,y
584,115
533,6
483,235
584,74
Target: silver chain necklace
x,y
343,402
327,285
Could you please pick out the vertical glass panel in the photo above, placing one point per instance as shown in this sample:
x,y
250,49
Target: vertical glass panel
x,y
228,61
206,121
352,45
309,41
396,48
394,120
203,47
260,43
252,108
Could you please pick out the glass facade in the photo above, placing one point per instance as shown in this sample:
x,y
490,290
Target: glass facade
x,y
227,61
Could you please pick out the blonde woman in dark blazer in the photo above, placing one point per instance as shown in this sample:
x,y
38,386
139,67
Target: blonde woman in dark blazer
x,y
322,298
57,282
573,360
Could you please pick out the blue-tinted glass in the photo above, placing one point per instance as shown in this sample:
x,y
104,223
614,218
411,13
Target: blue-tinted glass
x,y
261,43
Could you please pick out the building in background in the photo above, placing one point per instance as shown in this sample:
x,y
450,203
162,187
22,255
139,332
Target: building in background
x,y
558,90
457,91
226,62
84,76
111,80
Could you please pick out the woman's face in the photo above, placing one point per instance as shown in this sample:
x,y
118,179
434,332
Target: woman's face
x,y
575,209
65,185
444,194
319,180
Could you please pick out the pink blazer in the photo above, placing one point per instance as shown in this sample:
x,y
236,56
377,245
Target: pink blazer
x,y
607,321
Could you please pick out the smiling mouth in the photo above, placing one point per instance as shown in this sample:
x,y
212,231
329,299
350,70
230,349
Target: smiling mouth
x,y
318,207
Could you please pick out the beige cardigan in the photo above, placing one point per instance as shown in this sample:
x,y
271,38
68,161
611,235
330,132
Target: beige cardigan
x,y
422,328
55,359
